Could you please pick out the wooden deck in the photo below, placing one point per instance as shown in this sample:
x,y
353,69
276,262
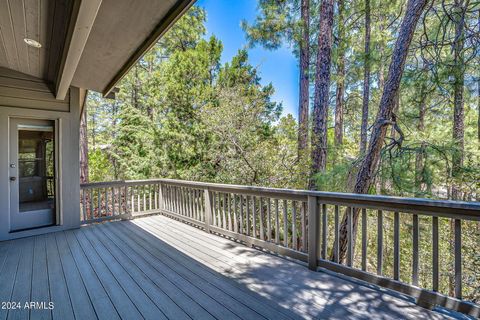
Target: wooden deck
x,y
159,268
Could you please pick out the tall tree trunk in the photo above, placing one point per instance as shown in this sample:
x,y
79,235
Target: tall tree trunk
x,y
384,116
458,102
381,180
478,107
339,102
420,154
458,121
84,146
478,94
366,81
396,108
304,79
322,86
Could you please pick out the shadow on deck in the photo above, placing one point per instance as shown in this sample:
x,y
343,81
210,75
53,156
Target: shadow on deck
x,y
159,268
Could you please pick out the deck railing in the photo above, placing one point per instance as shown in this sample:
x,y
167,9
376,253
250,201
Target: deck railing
x,y
305,225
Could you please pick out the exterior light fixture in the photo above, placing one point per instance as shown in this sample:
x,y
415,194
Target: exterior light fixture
x,y
32,43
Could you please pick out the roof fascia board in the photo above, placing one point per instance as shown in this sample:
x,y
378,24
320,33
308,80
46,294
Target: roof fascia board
x,y
83,17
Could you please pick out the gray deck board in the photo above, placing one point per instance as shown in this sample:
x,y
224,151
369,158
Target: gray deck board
x,y
101,302
197,275
296,280
40,291
81,304
125,307
8,275
59,295
219,305
157,296
159,268
186,302
23,281
134,292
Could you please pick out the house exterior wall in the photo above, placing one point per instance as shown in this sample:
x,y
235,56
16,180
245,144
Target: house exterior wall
x,y
22,96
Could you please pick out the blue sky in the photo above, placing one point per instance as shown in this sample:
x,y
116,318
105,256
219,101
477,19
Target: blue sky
x,y
279,67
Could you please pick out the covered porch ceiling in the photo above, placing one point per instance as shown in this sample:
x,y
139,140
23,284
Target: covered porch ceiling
x,y
88,44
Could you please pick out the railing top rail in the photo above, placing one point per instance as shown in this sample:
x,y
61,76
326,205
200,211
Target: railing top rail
x,y
458,209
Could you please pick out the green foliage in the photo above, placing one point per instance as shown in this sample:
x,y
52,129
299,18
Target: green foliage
x,y
100,168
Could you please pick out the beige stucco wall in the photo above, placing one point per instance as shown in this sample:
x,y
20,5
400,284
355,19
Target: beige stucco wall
x,y
26,97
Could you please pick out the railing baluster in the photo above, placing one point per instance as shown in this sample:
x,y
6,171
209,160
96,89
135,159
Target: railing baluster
x,y
364,239
379,242
349,237
285,223
138,198
248,215
176,199
126,208
435,248
144,199
229,203
269,220
113,201
106,202
132,202
224,216
214,208
458,258
324,231
169,192
170,198
180,201
277,223
161,200
235,218
201,206
241,213
294,226
149,197
254,216
186,201
84,206
195,204
303,221
262,218
208,209
99,214
336,246
415,250
173,198
396,245
191,203
92,208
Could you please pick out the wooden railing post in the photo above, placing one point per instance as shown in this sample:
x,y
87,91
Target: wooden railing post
x,y
313,233
208,210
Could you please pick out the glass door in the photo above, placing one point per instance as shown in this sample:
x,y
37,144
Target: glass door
x,y
32,174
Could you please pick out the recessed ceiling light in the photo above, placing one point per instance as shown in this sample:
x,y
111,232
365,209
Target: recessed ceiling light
x,y
32,43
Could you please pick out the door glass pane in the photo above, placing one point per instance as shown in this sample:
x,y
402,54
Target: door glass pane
x,y
36,168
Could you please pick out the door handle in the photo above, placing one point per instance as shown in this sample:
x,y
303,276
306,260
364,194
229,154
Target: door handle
x,y
13,178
